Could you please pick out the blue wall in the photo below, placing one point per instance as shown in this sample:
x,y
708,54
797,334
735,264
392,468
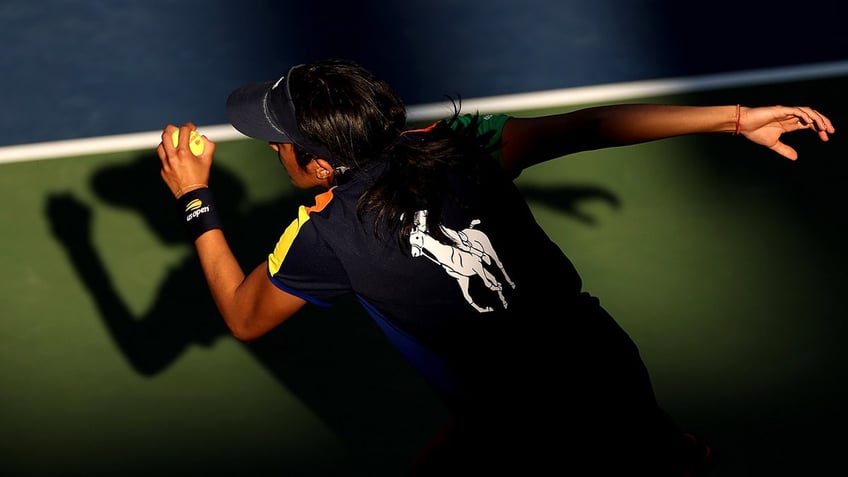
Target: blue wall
x,y
79,68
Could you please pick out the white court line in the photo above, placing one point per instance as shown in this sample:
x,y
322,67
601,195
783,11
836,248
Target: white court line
x,y
433,111
103,144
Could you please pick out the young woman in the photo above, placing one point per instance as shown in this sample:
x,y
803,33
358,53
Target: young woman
x,y
426,228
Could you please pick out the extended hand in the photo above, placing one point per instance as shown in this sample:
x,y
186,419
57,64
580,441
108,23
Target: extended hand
x,y
765,125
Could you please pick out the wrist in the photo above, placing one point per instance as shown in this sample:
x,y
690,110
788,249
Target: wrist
x,y
186,189
199,212
737,122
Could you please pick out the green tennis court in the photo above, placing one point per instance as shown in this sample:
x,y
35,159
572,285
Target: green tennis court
x,y
724,261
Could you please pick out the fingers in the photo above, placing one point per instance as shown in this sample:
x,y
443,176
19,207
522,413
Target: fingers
x,y
785,151
816,121
168,136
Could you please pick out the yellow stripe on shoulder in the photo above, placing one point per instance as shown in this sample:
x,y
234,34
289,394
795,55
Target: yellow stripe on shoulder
x,y
276,258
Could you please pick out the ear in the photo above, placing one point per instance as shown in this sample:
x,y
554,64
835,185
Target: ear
x,y
324,170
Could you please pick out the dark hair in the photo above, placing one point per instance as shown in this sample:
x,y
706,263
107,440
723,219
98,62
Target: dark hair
x,y
360,119
346,108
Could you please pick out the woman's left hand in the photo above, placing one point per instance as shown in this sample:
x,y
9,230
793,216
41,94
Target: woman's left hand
x,y
765,125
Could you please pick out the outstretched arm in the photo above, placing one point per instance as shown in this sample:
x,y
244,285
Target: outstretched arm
x,y
529,141
250,304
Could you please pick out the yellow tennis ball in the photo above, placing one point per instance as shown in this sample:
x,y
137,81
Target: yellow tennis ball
x,y
195,141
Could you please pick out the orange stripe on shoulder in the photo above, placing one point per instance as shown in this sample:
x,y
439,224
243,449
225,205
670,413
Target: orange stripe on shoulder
x,y
281,250
321,201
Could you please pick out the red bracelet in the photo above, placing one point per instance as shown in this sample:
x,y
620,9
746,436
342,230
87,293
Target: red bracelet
x,y
738,117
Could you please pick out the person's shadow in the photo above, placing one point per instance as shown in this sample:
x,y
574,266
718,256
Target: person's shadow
x,y
336,361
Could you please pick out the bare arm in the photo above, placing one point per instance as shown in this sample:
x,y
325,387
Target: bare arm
x,y
529,141
250,304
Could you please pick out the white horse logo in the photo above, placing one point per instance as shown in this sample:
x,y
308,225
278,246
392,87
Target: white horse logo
x,y
466,258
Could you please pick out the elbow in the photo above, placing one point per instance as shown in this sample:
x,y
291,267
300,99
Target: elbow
x,y
254,315
243,333
241,327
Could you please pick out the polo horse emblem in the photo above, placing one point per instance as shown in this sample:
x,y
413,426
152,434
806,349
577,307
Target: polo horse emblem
x,y
469,255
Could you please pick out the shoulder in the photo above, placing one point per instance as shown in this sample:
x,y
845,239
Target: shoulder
x,y
488,127
484,122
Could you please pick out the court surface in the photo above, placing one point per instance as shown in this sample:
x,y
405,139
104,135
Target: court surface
x,y
725,262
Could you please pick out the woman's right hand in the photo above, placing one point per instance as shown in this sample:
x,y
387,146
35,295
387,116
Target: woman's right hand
x,y
181,170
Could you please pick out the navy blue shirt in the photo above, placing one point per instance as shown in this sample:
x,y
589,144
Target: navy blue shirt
x,y
448,308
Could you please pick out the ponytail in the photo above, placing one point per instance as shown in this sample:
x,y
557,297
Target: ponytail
x,y
425,169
